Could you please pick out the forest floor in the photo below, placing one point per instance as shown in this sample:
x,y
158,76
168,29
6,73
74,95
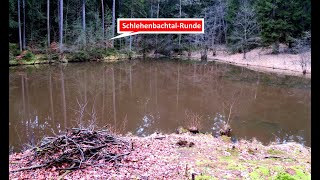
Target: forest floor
x,y
261,59
178,156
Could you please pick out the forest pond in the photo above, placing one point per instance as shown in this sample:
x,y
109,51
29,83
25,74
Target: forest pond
x,y
143,97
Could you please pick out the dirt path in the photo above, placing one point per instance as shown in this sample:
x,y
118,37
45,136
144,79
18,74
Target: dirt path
x,y
262,60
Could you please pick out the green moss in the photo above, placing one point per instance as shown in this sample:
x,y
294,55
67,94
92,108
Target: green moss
x,y
226,158
277,168
284,176
233,151
274,152
226,139
203,162
205,177
300,174
260,172
236,166
255,175
264,170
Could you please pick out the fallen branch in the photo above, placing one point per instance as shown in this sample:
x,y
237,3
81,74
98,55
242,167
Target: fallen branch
x,y
29,168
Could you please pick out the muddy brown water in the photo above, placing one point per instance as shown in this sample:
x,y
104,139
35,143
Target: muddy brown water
x,y
143,97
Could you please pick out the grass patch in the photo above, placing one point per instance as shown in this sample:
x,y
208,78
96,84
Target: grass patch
x,y
205,177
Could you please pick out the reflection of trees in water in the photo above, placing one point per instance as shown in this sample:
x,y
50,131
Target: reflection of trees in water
x,y
284,137
145,90
148,121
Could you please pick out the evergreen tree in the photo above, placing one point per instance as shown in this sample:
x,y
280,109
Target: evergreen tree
x,y
281,20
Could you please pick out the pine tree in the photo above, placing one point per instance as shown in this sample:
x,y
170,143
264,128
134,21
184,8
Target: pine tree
x,y
280,20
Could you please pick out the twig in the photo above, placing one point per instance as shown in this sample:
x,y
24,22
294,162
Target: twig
x,y
67,171
276,157
160,137
31,167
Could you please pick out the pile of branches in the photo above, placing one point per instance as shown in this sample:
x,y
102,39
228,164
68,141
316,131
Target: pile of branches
x,y
77,149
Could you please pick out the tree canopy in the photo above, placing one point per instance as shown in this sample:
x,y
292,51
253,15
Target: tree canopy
x,y
275,21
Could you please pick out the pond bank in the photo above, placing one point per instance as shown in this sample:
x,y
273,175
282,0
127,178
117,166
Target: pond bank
x,y
261,59
178,156
43,59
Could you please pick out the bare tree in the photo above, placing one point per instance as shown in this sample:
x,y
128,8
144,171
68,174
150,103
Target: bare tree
x,y
48,22
158,9
84,20
24,24
245,27
215,22
130,46
102,14
19,24
113,19
302,46
179,17
61,25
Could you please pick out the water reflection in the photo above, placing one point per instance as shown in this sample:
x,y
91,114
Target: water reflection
x,y
155,96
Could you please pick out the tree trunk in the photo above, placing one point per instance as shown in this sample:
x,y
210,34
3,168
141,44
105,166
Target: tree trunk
x,y
84,21
102,13
244,52
48,22
66,22
275,47
156,85
130,44
180,34
61,26
113,19
157,34
19,24
24,24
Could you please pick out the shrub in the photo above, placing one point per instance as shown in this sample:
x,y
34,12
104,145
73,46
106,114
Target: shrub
x,y
81,56
29,56
13,51
96,53
111,51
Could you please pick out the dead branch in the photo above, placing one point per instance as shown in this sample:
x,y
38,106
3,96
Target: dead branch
x,y
77,149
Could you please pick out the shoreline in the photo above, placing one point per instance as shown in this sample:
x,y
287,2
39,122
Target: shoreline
x,y
262,60
178,156
258,59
